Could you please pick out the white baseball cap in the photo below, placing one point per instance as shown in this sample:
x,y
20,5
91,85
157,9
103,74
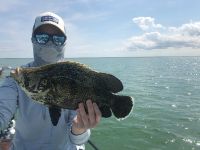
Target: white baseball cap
x,y
49,18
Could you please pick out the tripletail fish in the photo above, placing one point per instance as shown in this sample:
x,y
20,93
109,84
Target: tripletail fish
x,y
66,84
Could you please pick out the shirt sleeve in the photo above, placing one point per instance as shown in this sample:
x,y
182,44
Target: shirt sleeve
x,y
77,139
8,101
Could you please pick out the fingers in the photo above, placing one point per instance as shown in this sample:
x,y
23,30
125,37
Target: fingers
x,y
91,113
78,121
78,125
93,117
83,115
97,112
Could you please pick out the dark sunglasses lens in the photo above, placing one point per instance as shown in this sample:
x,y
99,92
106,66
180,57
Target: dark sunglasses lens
x,y
42,38
59,40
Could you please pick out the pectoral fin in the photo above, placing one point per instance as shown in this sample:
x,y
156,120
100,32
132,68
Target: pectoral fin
x,y
55,114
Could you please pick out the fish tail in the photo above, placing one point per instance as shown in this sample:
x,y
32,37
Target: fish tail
x,y
112,83
121,106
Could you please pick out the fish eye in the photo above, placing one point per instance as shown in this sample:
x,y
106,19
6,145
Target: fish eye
x,y
42,84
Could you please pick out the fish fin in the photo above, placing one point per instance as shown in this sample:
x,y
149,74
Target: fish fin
x,y
105,111
55,114
113,84
121,106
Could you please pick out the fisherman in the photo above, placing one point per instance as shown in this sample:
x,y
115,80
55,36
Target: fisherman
x,y
34,130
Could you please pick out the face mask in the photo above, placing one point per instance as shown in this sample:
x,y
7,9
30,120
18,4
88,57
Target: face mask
x,y
48,53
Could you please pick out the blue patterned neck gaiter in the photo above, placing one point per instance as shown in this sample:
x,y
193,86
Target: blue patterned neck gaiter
x,y
48,53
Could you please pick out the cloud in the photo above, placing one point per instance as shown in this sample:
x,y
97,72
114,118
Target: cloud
x,y
146,23
190,29
184,36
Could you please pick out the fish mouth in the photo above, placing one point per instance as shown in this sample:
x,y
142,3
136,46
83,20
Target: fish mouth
x,y
15,72
17,75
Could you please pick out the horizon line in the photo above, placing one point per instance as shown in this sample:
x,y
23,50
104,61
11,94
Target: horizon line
x,y
98,57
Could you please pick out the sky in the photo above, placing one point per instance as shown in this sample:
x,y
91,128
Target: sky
x,y
106,28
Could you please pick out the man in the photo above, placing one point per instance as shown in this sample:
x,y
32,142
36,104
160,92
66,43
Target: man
x,y
34,129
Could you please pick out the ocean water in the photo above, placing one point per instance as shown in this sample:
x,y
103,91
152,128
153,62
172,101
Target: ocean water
x,y
166,114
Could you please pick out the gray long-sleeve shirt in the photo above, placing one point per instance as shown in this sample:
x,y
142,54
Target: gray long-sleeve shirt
x,y
34,130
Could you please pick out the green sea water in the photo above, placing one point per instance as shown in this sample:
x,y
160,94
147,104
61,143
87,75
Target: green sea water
x,y
166,114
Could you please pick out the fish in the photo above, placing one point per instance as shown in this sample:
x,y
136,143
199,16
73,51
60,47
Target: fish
x,y
63,85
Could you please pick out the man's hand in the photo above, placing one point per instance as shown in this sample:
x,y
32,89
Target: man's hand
x,y
5,144
84,121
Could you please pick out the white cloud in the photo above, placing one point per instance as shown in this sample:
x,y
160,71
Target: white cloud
x,y
190,29
185,36
146,23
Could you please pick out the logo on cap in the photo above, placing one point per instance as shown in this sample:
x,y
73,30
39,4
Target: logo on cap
x,y
49,18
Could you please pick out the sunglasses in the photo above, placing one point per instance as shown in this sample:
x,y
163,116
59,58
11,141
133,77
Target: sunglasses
x,y
43,38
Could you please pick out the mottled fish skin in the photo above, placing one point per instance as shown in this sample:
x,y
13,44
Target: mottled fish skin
x,y
65,84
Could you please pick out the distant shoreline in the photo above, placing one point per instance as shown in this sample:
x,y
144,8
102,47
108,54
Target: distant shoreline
x,y
109,57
